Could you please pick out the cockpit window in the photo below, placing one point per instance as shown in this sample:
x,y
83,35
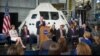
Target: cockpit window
x,y
54,16
45,15
34,16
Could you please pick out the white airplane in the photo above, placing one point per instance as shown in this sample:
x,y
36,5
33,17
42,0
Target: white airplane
x,y
50,14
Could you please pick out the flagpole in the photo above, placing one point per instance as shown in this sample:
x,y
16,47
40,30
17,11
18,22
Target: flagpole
x,y
6,6
6,2
37,3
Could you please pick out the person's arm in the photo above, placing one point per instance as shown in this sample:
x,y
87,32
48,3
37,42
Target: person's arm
x,y
64,32
10,33
37,24
28,32
44,23
55,31
77,32
58,33
69,33
22,33
16,33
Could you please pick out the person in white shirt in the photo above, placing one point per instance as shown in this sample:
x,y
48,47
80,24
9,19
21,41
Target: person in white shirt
x,y
14,36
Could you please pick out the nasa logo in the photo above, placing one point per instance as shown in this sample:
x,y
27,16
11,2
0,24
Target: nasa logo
x,y
45,32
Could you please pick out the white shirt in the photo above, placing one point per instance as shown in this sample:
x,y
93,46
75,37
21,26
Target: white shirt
x,y
13,33
61,33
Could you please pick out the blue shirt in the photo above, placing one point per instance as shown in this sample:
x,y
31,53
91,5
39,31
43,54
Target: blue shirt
x,y
87,41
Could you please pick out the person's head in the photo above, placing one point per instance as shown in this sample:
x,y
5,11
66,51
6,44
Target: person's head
x,y
25,27
63,44
41,18
49,35
15,50
96,27
87,34
75,23
12,26
84,25
97,40
88,2
53,26
83,49
54,49
62,26
72,25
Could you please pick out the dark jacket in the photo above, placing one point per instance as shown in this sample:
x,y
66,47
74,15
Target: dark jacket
x,y
24,36
59,34
82,30
70,33
23,33
96,49
54,32
38,26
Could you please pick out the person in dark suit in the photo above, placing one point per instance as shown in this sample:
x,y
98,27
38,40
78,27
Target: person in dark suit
x,y
96,46
83,29
38,25
53,31
61,32
96,31
25,34
73,34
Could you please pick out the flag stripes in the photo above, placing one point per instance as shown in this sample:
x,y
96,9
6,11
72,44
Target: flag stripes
x,y
6,23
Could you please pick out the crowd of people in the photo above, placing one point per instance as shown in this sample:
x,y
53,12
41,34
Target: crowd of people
x,y
79,40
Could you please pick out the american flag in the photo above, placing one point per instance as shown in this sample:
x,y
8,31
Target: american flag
x,y
6,20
